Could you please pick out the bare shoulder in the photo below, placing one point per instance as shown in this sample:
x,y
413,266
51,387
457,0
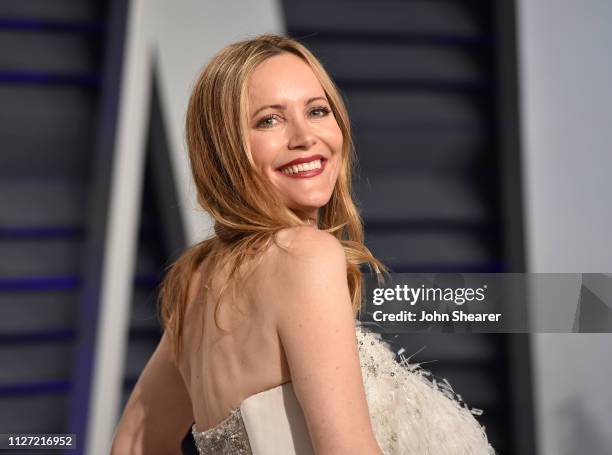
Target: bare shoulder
x,y
300,261
302,264
305,247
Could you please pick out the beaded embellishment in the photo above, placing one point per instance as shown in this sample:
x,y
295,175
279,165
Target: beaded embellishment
x,y
229,437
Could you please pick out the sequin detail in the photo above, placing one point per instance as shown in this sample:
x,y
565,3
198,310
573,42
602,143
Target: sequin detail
x,y
229,437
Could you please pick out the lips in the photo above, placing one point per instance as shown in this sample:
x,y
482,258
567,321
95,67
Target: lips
x,y
305,167
306,159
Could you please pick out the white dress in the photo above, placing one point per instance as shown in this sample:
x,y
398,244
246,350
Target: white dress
x,y
410,414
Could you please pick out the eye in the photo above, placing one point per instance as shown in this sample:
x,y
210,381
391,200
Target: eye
x,y
266,122
321,111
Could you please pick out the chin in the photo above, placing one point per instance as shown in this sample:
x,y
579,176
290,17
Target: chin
x,y
309,204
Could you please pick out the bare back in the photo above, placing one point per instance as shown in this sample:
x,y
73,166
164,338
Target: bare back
x,y
222,368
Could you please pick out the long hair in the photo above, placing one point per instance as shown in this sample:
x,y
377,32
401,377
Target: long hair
x,y
246,209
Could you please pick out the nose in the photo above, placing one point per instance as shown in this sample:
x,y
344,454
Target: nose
x,y
301,136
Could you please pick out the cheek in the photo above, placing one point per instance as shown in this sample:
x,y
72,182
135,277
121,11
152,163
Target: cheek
x,y
263,149
335,141
334,138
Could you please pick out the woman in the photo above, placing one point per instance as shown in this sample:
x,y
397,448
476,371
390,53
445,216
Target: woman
x,y
260,348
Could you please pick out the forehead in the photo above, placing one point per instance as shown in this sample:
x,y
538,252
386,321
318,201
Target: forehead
x,y
284,77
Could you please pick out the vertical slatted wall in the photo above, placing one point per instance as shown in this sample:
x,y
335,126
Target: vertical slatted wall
x,y
50,63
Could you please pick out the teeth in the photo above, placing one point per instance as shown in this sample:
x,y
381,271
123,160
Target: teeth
x,y
316,164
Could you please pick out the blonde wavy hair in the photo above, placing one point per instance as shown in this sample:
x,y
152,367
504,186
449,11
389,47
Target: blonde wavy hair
x,y
246,208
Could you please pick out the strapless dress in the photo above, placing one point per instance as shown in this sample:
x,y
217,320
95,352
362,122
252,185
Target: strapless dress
x,y
411,413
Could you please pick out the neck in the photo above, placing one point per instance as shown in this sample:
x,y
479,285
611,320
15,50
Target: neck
x,y
310,218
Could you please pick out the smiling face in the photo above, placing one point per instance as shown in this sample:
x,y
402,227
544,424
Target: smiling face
x,y
293,134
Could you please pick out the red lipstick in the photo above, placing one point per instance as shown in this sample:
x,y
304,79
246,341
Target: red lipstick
x,y
306,159
304,174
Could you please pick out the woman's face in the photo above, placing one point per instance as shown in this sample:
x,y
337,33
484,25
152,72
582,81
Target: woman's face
x,y
293,134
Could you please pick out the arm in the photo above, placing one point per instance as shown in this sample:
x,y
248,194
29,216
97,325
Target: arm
x,y
316,326
158,413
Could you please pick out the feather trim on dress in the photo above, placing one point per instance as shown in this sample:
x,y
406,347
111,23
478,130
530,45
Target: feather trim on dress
x,y
411,411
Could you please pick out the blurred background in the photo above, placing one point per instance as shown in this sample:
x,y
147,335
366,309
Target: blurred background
x,y
483,134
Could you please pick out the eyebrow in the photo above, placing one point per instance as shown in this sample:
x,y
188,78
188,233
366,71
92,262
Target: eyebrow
x,y
282,107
